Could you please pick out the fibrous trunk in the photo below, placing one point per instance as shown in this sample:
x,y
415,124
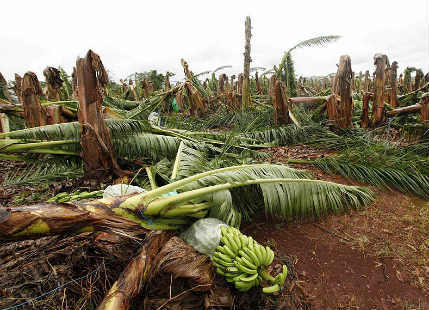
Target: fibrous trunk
x,y
34,113
53,83
343,89
280,104
97,148
245,97
393,84
364,120
136,274
425,110
381,62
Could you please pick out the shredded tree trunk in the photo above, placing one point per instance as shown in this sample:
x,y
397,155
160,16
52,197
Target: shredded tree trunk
x,y
18,87
280,104
34,114
343,89
393,84
367,82
425,110
364,120
381,62
245,96
97,147
136,274
53,83
32,222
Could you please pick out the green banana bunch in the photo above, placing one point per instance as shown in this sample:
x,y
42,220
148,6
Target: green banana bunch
x,y
240,259
76,195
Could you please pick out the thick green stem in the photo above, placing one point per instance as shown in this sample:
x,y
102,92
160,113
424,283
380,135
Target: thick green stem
x,y
17,146
156,206
136,201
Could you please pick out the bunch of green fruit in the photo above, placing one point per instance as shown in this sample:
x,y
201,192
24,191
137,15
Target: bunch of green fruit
x,y
76,195
240,259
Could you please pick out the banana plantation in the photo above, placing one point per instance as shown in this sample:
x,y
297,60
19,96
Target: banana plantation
x,y
299,173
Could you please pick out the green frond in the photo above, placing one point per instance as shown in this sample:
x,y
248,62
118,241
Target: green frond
x,y
151,146
257,69
43,171
286,200
317,41
221,68
402,180
202,73
120,104
71,131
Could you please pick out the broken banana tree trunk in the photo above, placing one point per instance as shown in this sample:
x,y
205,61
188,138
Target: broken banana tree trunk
x,y
280,104
31,222
331,107
343,89
34,113
381,62
367,82
4,92
393,84
364,119
137,273
425,110
97,147
245,96
53,82
18,88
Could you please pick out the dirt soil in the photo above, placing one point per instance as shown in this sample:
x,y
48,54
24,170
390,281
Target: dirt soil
x,y
376,258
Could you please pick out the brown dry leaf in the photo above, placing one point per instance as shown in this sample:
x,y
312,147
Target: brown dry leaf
x,y
180,259
399,276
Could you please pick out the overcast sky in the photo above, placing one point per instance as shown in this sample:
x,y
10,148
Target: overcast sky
x,y
137,36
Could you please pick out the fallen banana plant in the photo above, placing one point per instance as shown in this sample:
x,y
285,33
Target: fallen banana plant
x,y
284,197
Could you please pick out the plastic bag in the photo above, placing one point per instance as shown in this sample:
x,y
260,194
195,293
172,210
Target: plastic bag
x,y
204,235
174,105
121,189
154,119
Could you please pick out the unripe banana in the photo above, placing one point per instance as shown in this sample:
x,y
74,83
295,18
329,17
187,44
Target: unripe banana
x,y
250,278
228,251
244,240
244,268
237,240
222,262
249,251
232,269
243,286
270,256
225,241
223,257
220,271
244,261
259,254
271,289
234,246
245,255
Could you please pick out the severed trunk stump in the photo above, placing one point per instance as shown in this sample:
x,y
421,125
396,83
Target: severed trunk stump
x,y
34,113
381,63
331,108
393,84
245,95
364,119
97,148
343,89
425,109
280,104
53,82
